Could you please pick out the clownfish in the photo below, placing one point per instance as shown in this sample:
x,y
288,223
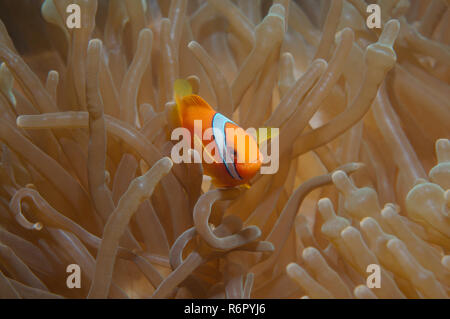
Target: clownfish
x,y
231,162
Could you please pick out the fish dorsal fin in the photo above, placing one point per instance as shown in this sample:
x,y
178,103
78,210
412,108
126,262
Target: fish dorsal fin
x,y
181,88
184,98
195,100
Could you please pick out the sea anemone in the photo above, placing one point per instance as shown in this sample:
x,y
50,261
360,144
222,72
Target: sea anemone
x,y
87,179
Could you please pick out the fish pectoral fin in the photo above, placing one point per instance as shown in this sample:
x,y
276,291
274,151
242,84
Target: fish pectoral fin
x,y
199,145
216,182
219,184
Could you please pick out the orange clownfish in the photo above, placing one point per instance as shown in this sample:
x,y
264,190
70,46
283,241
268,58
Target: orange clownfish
x,y
226,158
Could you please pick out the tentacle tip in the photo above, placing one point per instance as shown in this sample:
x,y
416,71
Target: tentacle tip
x,y
253,230
420,181
390,32
324,204
358,165
53,73
145,34
270,247
443,150
349,232
394,25
266,247
371,227
195,83
388,211
278,10
291,268
343,182
443,142
310,252
367,222
95,44
445,261
363,292
320,63
192,44
287,55
166,164
326,209
338,175
344,33
19,121
394,244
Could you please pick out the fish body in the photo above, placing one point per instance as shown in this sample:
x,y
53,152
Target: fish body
x,y
234,156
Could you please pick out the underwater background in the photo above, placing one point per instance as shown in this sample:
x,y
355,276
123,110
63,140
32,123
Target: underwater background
x,y
86,175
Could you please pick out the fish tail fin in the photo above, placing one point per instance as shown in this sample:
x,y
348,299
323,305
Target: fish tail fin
x,y
271,133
